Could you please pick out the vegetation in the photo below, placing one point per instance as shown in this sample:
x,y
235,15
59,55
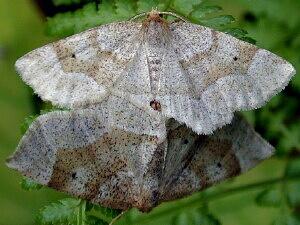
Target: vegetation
x,y
278,122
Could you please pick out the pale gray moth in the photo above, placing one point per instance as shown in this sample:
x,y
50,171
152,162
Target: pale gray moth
x,y
142,95
91,154
188,72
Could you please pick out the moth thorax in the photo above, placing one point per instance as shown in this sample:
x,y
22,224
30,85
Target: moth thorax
x,y
156,34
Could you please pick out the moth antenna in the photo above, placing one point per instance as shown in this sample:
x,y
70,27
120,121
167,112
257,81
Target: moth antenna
x,y
138,16
162,13
174,15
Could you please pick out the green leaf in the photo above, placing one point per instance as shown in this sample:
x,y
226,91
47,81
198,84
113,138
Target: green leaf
x,y
81,213
236,32
293,168
194,217
293,193
107,12
89,206
106,214
287,219
125,8
170,214
59,213
147,5
66,2
240,34
93,220
269,197
291,138
248,39
27,122
30,185
219,21
278,11
64,24
293,187
185,7
201,12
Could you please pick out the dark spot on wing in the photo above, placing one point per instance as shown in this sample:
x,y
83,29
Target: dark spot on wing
x,y
217,157
74,175
185,141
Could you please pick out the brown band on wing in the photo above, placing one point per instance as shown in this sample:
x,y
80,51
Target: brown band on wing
x,y
72,163
216,69
239,64
191,64
217,161
213,162
93,67
189,138
247,52
121,193
104,172
178,183
150,192
203,55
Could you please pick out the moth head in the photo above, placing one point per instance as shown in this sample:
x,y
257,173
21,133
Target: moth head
x,y
155,15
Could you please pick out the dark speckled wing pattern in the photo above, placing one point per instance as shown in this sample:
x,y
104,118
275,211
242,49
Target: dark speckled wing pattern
x,y
146,100
78,152
191,73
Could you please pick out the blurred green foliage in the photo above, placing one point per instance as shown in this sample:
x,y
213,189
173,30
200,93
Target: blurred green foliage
x,y
271,191
66,2
93,14
30,185
65,211
21,31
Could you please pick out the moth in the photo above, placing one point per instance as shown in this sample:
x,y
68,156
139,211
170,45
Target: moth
x,y
91,154
146,100
185,71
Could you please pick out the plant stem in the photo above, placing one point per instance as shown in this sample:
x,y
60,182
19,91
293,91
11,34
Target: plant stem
x,y
201,199
247,187
81,213
116,218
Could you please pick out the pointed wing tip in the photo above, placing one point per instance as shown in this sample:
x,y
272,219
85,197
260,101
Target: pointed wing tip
x,y
14,161
11,163
269,150
292,70
19,65
289,69
289,72
22,66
